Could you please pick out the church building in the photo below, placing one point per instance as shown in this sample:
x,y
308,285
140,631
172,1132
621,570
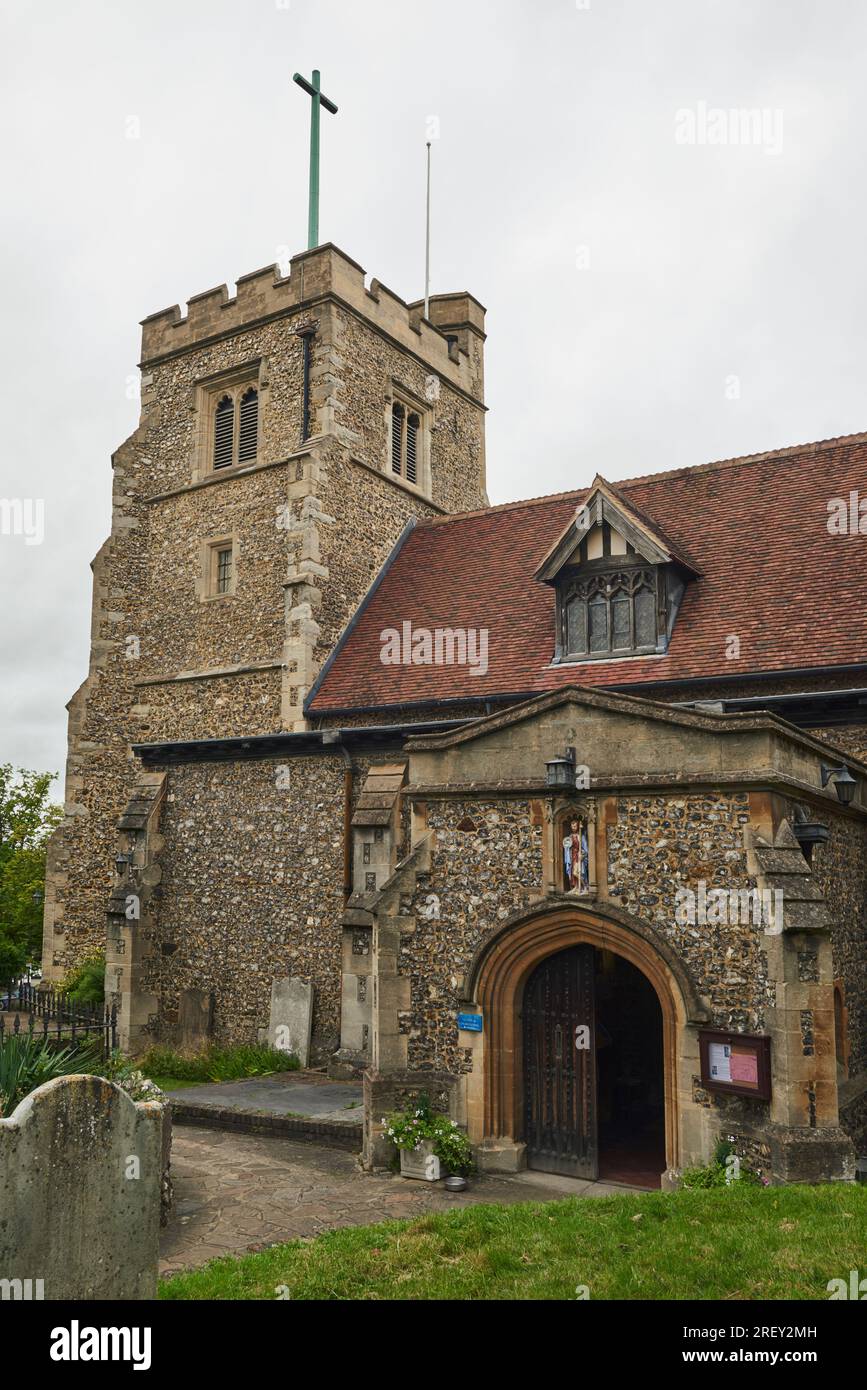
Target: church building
x,y
558,808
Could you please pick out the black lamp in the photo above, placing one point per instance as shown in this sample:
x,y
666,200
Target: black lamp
x,y
844,784
120,863
560,772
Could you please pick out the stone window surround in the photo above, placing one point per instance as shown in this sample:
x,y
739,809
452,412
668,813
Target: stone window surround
x,y
400,394
206,393
207,582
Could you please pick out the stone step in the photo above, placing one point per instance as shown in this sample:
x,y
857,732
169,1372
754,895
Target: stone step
x,y
301,1127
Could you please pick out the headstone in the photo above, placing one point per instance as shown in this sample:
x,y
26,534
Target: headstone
x,y
291,1018
81,1171
195,1019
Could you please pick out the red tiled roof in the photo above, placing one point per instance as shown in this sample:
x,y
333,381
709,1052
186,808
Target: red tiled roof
x,y
770,573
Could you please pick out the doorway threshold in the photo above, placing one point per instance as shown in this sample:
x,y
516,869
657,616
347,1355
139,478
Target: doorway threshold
x,y
572,1187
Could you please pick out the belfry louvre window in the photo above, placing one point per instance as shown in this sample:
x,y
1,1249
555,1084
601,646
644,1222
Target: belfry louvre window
x,y
224,432
398,419
405,443
412,428
613,611
236,428
248,429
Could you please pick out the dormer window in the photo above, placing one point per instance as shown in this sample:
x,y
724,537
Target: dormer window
x,y
610,611
618,579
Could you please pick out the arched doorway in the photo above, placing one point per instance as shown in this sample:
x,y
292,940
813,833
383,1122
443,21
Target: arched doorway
x,y
593,1073
496,982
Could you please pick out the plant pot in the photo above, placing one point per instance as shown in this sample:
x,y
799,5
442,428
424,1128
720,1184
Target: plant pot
x,y
420,1162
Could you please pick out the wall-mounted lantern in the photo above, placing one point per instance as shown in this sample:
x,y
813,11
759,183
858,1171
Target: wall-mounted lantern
x,y
844,784
560,772
810,833
120,863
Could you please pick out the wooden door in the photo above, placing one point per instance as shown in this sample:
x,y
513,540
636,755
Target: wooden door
x,y
560,1127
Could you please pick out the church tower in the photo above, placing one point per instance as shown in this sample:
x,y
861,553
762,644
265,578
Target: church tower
x,y
288,435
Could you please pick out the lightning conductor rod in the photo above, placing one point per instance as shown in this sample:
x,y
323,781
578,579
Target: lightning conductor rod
x,y
427,243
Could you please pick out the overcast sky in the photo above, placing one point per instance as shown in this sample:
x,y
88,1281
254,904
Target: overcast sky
x,y
666,284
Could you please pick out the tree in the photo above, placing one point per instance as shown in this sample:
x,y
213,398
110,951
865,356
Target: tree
x,y
27,818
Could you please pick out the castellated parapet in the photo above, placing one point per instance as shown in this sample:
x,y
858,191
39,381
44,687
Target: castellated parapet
x,y
451,341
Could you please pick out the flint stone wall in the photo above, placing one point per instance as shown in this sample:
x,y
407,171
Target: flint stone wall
x,y
69,1213
252,892
483,876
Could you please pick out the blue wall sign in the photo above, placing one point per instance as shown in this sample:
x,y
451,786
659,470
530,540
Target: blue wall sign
x,y
470,1023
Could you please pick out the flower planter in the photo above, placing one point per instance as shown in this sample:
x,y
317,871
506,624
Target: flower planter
x,y
420,1162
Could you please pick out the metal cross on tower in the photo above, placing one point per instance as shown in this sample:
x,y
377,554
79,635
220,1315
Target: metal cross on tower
x,y
313,90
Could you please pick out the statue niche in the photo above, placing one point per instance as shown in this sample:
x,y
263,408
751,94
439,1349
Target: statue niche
x,y
573,840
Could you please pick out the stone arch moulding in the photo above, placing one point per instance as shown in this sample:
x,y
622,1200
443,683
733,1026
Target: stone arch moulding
x,y
502,965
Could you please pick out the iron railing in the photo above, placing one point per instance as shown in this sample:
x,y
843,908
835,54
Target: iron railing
x,y
51,1015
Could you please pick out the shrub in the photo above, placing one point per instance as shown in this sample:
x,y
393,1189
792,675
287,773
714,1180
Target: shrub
x,y
408,1128
86,981
217,1063
717,1173
27,1062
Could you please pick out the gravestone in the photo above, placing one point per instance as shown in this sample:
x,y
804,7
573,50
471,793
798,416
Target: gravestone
x,y
291,1020
195,1019
81,1173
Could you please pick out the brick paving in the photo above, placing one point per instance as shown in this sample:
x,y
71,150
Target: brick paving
x,y
236,1193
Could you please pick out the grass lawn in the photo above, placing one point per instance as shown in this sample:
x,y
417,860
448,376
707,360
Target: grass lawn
x,y
739,1243
170,1083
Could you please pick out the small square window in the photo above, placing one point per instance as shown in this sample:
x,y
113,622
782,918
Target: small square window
x,y
218,572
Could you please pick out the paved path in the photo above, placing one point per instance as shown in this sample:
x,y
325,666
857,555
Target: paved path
x,y
240,1192
288,1093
